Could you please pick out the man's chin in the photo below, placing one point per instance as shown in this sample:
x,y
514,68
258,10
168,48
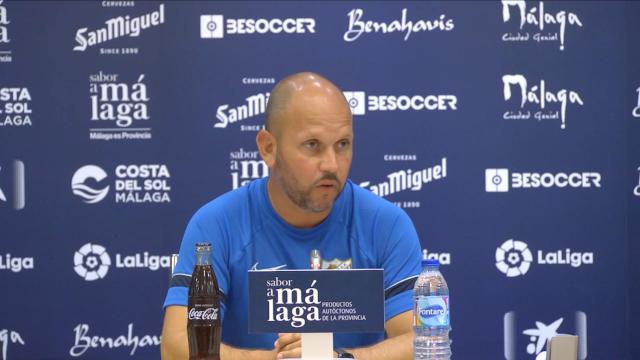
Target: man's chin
x,y
321,206
317,210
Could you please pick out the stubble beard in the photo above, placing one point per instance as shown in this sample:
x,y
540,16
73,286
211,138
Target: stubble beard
x,y
302,197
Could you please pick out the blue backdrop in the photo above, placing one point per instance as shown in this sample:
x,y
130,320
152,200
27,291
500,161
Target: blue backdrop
x,y
120,118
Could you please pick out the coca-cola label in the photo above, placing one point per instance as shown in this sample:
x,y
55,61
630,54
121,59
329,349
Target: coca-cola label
x,y
203,313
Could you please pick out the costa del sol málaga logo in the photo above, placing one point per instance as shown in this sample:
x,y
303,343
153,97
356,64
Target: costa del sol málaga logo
x,y
91,261
87,193
513,258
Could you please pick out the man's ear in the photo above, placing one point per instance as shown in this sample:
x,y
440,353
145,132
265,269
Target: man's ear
x,y
267,146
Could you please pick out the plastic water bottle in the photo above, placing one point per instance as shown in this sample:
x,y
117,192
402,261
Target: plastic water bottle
x,y
431,313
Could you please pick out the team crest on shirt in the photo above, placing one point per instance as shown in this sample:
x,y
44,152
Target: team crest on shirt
x,y
336,263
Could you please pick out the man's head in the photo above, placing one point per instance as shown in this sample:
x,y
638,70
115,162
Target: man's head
x,y
307,142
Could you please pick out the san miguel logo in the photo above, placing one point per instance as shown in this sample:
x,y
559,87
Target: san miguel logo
x,y
409,179
118,27
253,106
536,22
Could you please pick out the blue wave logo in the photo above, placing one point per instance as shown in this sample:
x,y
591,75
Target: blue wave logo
x,y
88,194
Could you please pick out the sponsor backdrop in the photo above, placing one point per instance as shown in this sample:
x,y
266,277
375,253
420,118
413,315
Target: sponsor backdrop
x,y
507,130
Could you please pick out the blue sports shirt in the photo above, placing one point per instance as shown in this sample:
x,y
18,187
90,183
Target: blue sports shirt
x,y
362,231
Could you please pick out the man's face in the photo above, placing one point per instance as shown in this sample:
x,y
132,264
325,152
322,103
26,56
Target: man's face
x,y
314,151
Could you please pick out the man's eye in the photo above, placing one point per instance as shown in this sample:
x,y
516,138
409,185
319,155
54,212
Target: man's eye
x,y
344,143
311,144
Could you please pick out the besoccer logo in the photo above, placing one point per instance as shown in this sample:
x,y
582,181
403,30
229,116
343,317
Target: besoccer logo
x,y
91,262
87,193
496,180
513,258
356,100
211,26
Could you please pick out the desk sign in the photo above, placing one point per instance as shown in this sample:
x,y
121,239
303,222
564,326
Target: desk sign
x,y
309,301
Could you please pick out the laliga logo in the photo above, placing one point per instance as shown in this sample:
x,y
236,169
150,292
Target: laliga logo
x,y
87,193
513,258
91,262
15,263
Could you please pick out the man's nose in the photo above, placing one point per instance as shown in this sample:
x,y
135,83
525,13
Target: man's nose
x,y
329,163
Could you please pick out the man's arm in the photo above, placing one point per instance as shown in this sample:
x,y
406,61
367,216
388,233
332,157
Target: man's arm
x,y
397,346
175,345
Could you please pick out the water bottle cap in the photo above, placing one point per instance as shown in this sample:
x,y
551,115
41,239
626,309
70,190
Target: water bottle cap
x,y
203,246
431,262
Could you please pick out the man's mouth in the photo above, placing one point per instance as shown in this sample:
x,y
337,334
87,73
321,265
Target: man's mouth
x,y
328,184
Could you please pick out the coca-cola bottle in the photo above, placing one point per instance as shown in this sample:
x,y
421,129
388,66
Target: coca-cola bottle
x,y
203,324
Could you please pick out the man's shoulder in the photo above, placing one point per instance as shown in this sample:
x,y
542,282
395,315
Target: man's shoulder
x,y
230,204
366,201
381,225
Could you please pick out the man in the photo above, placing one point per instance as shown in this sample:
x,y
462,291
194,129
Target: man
x,y
306,203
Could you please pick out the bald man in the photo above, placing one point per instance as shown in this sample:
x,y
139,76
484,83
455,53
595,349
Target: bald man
x,y
306,203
